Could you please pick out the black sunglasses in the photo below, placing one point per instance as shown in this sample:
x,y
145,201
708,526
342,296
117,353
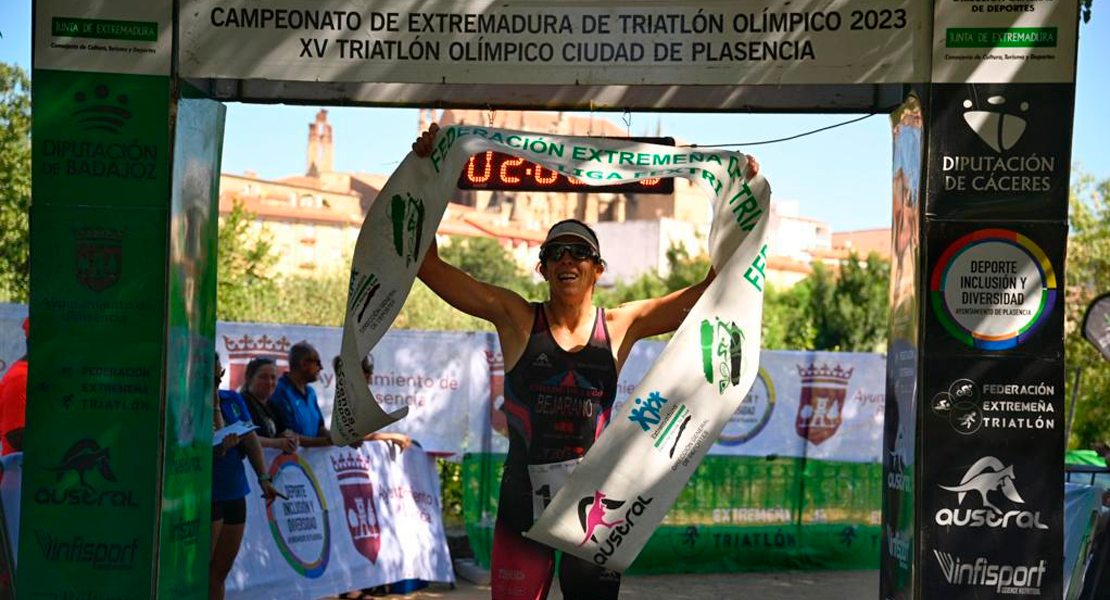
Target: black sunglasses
x,y
555,252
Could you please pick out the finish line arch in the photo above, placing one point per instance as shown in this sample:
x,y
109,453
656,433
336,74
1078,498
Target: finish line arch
x,y
128,125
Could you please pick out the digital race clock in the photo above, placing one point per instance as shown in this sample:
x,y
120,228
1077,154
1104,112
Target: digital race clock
x,y
497,171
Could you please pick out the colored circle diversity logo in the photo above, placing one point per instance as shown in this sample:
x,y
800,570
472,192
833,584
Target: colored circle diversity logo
x,y
299,524
993,289
753,413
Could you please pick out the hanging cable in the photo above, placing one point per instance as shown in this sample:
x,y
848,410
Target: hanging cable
x,y
785,139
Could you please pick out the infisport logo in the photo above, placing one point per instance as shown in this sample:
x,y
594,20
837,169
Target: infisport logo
x,y
99,555
1022,580
988,475
597,511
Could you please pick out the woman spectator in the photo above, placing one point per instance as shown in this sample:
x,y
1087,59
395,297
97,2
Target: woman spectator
x,y
261,382
229,484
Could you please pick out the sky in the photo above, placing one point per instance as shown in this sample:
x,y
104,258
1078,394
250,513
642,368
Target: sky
x,y
841,177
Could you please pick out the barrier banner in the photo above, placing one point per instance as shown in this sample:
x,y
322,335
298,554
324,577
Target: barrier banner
x,y
431,373
825,405
398,230
354,518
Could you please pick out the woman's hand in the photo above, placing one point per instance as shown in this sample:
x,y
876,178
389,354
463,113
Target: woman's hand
x,y
423,144
269,492
753,167
229,442
291,442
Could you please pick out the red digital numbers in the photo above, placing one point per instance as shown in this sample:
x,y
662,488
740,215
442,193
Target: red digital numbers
x,y
497,171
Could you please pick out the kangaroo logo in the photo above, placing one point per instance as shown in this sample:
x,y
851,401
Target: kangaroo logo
x,y
986,475
80,458
591,514
999,130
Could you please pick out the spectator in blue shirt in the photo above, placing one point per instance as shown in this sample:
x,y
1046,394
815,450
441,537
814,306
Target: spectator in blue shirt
x,y
295,400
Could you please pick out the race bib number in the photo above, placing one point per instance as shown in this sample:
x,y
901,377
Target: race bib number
x,y
546,481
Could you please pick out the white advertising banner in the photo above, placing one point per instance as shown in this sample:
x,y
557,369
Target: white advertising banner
x,y
1017,41
574,42
353,519
13,345
117,36
431,373
822,405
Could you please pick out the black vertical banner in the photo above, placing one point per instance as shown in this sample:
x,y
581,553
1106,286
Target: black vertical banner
x,y
989,492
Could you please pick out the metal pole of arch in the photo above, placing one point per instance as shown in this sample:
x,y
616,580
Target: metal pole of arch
x,y
1071,411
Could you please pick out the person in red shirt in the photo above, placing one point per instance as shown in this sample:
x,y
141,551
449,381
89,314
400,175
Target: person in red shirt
x,y
13,402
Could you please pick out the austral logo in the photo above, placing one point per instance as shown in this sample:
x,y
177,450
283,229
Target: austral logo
x,y
722,352
99,257
407,215
1001,128
101,111
100,555
362,291
83,462
988,478
898,477
597,511
1024,580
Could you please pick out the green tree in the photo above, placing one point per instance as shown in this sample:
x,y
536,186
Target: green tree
x,y
15,183
849,309
1087,276
245,287
486,260
786,321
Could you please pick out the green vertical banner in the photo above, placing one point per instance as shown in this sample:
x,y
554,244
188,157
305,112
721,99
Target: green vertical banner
x,y
98,272
186,471
116,471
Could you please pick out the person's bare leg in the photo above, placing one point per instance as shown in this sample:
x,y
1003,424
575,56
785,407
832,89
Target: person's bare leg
x,y
223,557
